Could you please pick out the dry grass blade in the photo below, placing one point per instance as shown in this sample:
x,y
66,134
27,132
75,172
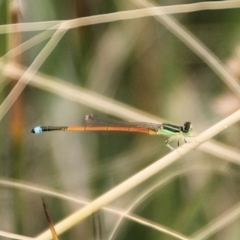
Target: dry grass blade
x,y
50,223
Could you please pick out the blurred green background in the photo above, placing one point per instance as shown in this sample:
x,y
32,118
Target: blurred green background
x,y
143,65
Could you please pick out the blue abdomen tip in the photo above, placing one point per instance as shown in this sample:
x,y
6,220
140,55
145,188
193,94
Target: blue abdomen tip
x,y
37,130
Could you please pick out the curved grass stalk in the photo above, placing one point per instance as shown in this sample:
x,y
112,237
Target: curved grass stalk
x,y
216,225
210,229
142,196
14,236
44,190
219,223
119,16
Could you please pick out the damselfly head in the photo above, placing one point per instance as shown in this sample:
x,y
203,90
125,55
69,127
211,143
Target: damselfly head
x,y
187,127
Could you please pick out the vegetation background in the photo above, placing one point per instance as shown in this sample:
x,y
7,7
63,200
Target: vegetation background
x,y
136,69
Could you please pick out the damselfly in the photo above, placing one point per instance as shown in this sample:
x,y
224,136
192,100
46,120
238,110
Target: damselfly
x,y
95,123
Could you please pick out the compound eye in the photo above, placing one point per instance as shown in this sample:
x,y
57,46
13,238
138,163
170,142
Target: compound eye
x,y
187,127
